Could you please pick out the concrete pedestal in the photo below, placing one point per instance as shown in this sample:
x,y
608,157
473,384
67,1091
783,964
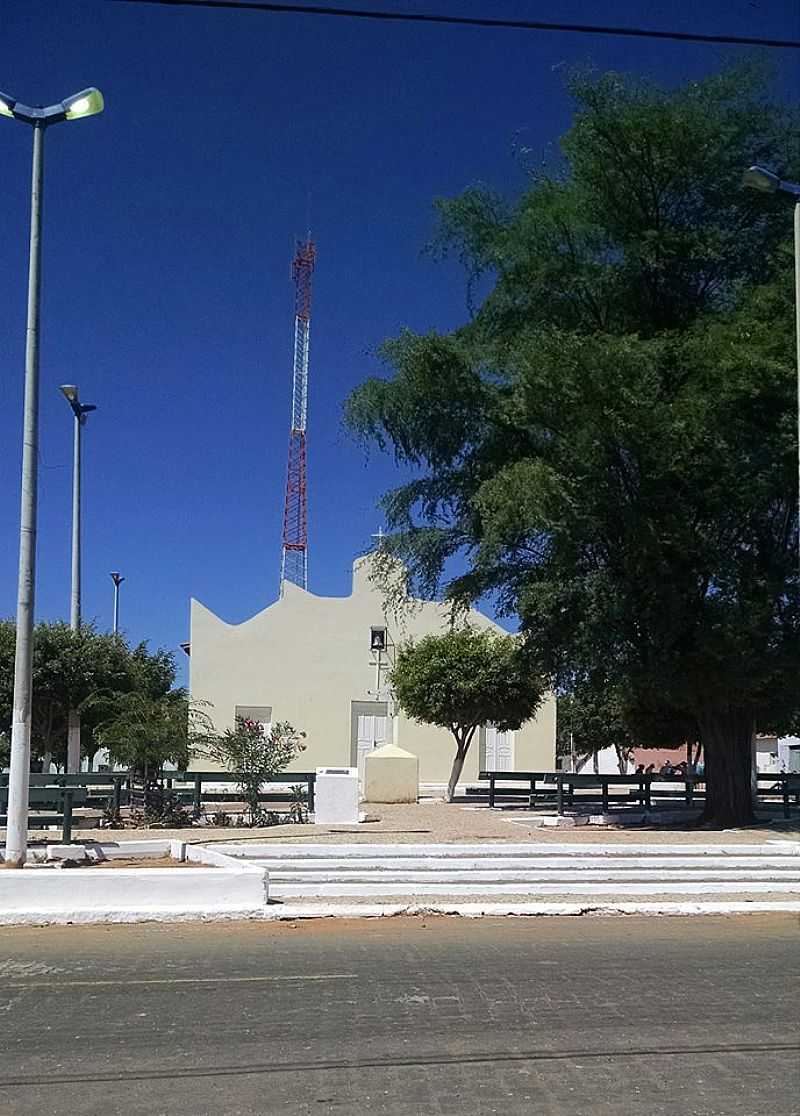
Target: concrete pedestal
x,y
336,796
391,775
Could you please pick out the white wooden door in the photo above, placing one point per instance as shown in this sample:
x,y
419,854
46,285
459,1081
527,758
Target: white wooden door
x,y
499,750
371,734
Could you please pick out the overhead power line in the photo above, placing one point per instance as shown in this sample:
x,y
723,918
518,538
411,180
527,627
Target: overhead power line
x,y
472,21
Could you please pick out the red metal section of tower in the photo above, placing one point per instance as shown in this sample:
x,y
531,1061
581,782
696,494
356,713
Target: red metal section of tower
x,y
294,559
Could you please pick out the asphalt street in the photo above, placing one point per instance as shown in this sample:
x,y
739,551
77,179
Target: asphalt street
x,y
557,1017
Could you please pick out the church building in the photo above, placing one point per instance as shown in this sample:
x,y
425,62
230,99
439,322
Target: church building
x,y
322,663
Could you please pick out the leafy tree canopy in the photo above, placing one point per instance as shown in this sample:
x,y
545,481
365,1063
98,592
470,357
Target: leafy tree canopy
x,y
143,733
462,679
85,670
610,441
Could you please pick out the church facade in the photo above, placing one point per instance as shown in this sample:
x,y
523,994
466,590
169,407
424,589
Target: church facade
x,y
322,663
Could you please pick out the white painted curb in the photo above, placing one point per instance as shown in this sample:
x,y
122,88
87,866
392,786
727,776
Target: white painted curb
x,y
273,850
230,889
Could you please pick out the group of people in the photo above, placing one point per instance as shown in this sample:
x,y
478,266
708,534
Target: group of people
x,y
680,769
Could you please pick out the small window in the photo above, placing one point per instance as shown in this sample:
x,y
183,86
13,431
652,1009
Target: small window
x,y
260,713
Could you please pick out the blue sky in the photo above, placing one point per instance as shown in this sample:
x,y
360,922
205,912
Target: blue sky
x,y
169,225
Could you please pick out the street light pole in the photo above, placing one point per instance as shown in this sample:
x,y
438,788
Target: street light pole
x,y
759,178
75,593
79,411
797,343
86,103
118,579
19,771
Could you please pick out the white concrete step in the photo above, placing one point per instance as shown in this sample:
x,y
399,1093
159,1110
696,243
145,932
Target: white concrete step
x,y
444,874
379,888
526,864
269,850
571,872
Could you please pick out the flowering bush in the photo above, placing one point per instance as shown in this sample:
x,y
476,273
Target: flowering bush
x,y
255,755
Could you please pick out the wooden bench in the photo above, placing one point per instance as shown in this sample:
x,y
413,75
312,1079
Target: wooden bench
x,y
785,783
566,783
59,800
188,787
640,787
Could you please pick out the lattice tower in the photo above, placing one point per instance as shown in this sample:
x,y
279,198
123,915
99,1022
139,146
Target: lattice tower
x,y
294,558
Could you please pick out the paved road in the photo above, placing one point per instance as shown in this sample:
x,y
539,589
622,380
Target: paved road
x,y
408,1017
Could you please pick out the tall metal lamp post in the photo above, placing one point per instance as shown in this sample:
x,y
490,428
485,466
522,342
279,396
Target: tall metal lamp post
x,y
80,411
759,178
118,579
86,103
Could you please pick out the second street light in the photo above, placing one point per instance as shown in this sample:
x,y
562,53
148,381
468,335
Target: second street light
x,y
79,411
759,178
86,103
118,579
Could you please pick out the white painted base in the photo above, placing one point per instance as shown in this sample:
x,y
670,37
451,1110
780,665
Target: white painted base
x,y
336,796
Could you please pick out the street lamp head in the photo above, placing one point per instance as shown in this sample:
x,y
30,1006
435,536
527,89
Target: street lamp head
x,y
117,578
79,410
759,178
86,103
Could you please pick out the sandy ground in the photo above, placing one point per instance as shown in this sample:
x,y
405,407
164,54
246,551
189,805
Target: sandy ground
x,y
433,821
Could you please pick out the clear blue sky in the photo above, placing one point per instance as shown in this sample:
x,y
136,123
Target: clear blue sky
x,y
169,224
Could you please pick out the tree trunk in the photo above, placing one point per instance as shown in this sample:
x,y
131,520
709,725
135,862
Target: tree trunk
x,y
455,773
623,756
727,736
463,738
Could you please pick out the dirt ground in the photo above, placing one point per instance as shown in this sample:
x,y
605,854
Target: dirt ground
x,y
127,862
146,862
433,821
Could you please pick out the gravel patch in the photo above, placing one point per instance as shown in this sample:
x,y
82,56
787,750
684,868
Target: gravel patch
x,y
433,821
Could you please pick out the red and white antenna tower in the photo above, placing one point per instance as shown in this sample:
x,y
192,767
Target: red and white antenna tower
x,y
294,560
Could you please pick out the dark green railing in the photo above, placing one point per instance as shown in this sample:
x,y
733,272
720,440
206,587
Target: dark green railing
x,y
53,797
563,784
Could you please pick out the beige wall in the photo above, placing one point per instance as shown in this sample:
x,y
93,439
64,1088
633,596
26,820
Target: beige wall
x,y
308,657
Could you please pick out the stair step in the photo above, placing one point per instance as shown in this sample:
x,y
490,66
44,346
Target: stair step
x,y
318,851
319,890
444,874
525,864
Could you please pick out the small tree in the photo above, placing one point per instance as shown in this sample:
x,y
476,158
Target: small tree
x,y
464,679
143,733
595,714
255,756
590,719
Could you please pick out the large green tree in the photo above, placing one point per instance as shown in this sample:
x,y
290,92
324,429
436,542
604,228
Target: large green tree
x,y
463,679
86,670
610,441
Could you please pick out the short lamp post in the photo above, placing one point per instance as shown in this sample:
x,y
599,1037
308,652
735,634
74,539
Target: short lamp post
x,y
86,103
79,411
759,178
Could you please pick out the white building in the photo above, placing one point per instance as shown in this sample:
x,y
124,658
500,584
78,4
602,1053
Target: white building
x,y
318,663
